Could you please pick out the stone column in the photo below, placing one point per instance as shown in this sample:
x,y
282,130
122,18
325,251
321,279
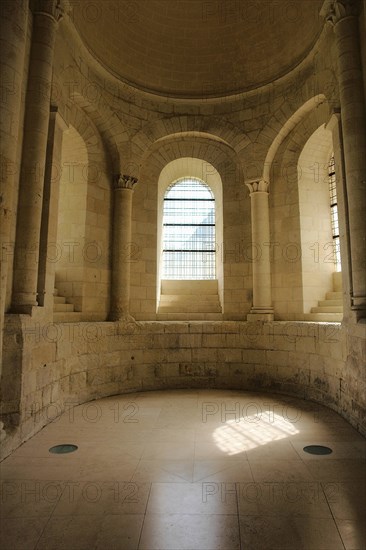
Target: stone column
x,y
13,35
262,309
46,14
120,292
334,126
48,251
343,15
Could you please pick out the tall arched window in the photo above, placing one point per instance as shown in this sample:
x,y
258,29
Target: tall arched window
x,y
189,231
334,213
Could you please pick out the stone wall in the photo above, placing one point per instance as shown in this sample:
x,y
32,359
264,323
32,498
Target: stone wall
x,y
68,364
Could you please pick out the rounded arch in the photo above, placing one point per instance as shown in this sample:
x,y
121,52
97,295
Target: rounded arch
x,y
73,89
82,277
204,171
212,156
287,126
299,194
184,127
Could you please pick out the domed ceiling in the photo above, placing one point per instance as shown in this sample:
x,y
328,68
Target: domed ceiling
x,y
198,48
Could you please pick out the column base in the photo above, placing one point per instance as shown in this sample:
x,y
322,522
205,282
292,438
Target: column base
x,y
121,317
261,314
26,309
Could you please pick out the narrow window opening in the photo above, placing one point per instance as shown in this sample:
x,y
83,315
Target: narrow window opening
x,y
189,231
334,213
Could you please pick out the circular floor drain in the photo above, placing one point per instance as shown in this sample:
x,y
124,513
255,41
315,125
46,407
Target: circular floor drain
x,y
63,449
317,450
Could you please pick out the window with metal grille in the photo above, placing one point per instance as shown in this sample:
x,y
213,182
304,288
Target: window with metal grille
x,y
189,231
334,213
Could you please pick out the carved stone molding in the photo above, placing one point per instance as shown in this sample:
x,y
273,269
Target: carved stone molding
x,y
335,10
258,186
53,8
122,181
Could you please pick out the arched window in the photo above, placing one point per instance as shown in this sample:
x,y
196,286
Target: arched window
x,y
334,213
189,231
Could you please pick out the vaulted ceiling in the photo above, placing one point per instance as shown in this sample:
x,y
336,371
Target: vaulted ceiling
x,y
198,48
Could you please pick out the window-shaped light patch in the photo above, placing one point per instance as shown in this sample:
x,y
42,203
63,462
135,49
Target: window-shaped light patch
x,y
189,231
240,435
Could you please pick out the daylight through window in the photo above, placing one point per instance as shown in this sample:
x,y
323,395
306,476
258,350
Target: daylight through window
x,y
189,231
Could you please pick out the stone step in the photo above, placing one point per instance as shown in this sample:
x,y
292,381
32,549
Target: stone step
x,y
57,308
190,308
188,298
328,309
67,317
333,296
324,317
326,303
59,300
196,287
189,317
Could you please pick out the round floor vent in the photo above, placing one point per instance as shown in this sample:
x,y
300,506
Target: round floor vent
x,y
63,449
318,450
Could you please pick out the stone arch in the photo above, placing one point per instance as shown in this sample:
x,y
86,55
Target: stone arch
x,y
70,88
236,223
276,135
84,281
197,168
291,284
213,128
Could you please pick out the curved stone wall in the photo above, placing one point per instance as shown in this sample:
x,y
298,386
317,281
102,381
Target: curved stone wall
x,y
68,364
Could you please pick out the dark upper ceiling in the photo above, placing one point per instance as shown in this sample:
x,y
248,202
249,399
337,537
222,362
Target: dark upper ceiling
x,y
198,48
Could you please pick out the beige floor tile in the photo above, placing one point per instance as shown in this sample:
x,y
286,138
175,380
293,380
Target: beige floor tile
x,y
283,499
164,450
21,533
70,532
318,533
99,498
269,533
222,470
337,470
279,470
29,498
54,467
347,500
119,532
192,498
190,532
182,483
179,471
353,534
351,450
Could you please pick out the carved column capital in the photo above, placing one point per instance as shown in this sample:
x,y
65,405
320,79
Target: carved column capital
x,y
122,181
334,11
53,8
257,186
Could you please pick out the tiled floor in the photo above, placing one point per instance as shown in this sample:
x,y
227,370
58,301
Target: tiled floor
x,y
188,470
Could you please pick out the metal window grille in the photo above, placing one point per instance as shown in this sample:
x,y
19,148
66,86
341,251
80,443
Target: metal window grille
x,y
189,231
334,213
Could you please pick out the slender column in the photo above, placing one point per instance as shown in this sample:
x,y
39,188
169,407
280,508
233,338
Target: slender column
x,y
120,293
343,15
13,33
46,14
335,127
262,296
48,247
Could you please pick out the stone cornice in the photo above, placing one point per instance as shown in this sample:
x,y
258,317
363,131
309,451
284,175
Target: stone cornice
x,y
334,11
257,186
53,8
122,181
